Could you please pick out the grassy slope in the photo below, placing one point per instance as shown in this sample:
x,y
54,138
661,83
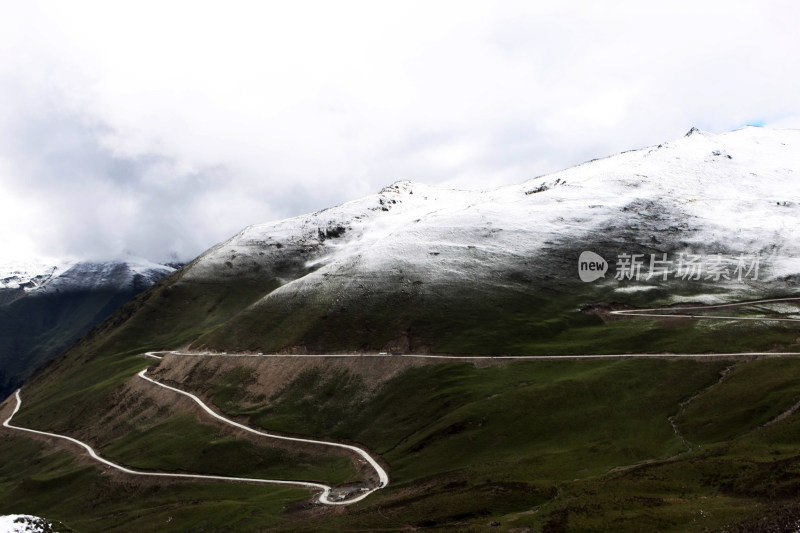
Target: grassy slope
x,y
38,480
526,444
515,318
512,437
532,444
169,440
180,443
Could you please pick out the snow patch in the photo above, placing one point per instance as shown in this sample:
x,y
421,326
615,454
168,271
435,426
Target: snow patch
x,y
24,524
635,288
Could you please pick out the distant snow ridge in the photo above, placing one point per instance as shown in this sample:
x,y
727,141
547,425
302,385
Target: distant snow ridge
x,y
30,274
16,523
43,276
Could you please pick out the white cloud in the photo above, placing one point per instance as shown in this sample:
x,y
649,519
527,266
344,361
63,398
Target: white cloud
x,y
181,122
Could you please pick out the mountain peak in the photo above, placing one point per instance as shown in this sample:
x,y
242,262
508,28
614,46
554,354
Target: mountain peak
x,y
403,187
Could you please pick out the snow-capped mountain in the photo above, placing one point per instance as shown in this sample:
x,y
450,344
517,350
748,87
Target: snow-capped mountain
x,y
706,217
388,266
42,275
735,193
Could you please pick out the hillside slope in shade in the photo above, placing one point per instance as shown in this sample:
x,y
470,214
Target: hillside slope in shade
x,y
43,315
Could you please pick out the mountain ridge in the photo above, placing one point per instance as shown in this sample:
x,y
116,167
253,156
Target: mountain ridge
x,y
671,198
449,271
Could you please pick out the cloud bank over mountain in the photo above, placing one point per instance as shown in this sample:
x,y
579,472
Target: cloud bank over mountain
x,y
159,130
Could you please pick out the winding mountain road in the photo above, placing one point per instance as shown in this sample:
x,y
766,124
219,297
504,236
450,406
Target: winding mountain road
x,y
383,477
657,312
326,496
316,486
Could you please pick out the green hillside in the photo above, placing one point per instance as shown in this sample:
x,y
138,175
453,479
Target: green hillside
x,y
667,444
546,445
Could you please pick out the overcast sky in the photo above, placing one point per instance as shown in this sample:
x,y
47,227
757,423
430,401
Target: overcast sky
x,y
161,128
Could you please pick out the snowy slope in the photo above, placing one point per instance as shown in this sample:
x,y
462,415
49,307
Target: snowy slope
x,y
31,273
496,271
735,193
111,275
